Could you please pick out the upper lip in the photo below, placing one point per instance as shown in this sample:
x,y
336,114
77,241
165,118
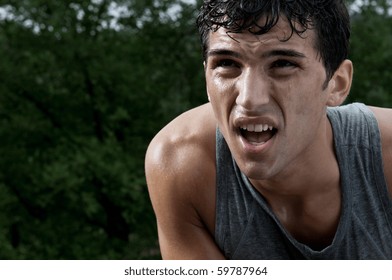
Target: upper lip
x,y
257,124
257,127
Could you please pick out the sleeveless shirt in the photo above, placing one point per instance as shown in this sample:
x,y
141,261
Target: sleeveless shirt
x,y
246,227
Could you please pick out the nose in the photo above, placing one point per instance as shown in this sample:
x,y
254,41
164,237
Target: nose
x,y
253,90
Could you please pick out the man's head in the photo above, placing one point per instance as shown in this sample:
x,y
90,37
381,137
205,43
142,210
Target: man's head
x,y
328,18
272,68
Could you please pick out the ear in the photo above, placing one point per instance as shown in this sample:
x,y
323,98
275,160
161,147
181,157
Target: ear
x,y
340,84
204,65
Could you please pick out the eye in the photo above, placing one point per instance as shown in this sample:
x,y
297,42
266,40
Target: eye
x,y
282,63
225,63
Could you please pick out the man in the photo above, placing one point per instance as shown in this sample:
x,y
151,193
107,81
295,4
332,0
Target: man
x,y
273,167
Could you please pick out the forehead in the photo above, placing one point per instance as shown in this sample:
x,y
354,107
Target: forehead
x,y
280,36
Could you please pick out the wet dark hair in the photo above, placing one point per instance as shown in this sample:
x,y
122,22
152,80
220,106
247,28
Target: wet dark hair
x,y
329,19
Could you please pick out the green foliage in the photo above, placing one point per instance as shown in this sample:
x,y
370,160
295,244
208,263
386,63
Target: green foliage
x,y
82,93
371,53
79,103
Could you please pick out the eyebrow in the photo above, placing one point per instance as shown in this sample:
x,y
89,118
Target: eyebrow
x,y
284,52
222,52
272,53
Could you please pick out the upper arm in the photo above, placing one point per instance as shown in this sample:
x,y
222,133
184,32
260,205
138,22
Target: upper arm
x,y
384,119
182,195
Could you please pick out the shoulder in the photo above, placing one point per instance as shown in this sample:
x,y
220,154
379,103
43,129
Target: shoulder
x,y
351,123
384,120
180,166
190,134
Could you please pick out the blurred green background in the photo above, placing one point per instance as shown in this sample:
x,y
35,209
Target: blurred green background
x,y
84,86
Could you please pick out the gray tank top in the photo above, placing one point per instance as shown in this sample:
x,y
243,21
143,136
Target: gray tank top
x,y
246,228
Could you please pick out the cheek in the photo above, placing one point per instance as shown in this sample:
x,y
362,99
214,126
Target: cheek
x,y
302,108
219,83
215,98
221,93
222,99
305,96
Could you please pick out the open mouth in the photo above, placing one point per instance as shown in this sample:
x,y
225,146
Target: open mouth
x,y
257,134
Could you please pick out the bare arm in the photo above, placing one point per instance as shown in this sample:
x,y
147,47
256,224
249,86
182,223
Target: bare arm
x,y
180,170
384,118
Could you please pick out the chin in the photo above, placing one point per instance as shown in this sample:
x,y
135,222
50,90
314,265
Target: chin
x,y
256,172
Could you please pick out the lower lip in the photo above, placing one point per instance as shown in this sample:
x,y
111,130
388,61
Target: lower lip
x,y
256,148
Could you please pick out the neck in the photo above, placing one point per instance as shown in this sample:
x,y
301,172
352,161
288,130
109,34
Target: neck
x,y
314,173
307,198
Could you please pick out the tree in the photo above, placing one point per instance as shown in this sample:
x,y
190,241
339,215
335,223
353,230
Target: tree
x,y
83,91
85,85
371,53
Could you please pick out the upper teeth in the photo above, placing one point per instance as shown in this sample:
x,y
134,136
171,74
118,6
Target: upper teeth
x,y
257,127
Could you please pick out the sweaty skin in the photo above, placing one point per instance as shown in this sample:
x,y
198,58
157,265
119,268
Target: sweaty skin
x,y
268,95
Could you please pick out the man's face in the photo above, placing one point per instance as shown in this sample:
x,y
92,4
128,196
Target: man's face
x,y
268,97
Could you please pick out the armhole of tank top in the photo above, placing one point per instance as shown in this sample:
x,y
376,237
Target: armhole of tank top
x,y
337,121
377,162
221,195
